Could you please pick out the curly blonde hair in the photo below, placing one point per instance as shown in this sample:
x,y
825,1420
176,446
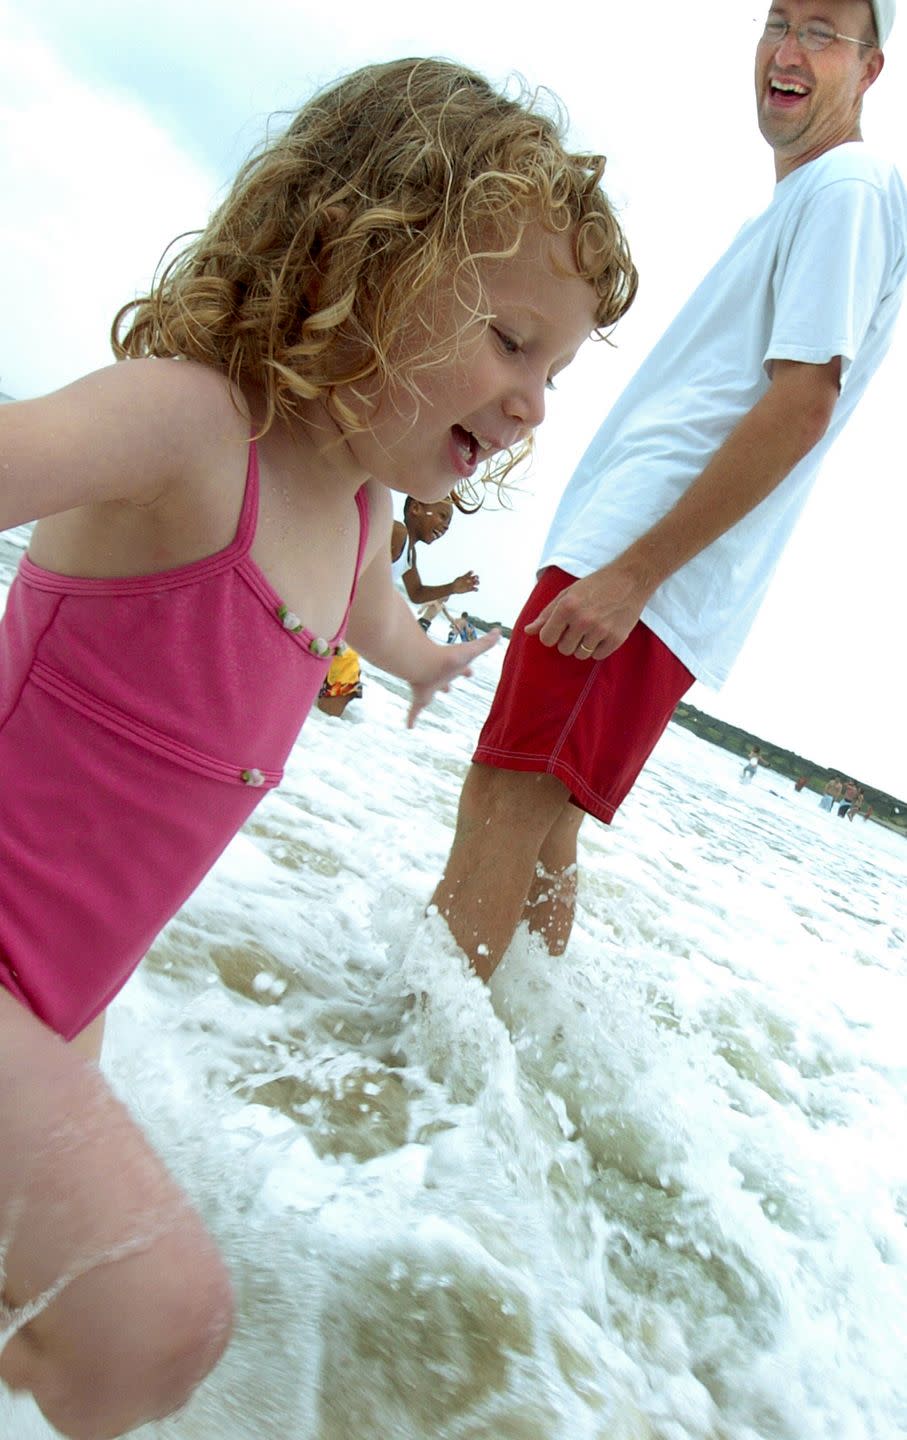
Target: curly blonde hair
x,y
388,185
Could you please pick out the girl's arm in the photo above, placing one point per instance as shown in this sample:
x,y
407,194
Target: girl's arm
x,y
383,628
420,593
127,432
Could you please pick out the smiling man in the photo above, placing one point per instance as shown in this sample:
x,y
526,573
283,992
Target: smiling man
x,y
668,533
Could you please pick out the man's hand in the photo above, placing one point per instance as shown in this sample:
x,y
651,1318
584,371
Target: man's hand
x,y
592,617
450,662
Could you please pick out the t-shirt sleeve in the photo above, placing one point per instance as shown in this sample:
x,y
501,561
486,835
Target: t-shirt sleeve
x,y
828,279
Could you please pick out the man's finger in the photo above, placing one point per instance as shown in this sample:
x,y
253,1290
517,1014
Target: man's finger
x,y
560,632
534,626
606,647
569,644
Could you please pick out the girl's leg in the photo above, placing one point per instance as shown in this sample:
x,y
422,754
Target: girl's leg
x,y
91,1041
114,1296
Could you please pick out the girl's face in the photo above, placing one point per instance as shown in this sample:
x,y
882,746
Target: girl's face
x,y
429,522
490,394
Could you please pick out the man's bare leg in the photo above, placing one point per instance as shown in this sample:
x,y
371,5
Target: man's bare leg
x,y
111,1291
503,820
551,903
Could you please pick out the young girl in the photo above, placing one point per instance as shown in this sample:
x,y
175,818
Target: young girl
x,y
378,305
425,522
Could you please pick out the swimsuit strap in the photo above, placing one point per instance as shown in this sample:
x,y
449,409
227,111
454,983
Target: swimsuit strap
x,y
362,506
248,517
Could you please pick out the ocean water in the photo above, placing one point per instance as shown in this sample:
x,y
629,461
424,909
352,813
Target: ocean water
x,y
654,1190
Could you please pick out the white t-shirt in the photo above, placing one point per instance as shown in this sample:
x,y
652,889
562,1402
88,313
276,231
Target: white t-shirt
x,y
820,273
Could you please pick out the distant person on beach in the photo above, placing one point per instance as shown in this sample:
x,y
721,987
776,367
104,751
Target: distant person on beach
x,y
668,534
801,783
753,761
834,789
430,612
461,628
377,306
848,799
428,523
467,630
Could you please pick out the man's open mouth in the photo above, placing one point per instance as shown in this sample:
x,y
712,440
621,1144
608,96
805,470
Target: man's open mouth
x,y
787,91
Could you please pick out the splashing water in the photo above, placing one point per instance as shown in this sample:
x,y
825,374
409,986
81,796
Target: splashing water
x,y
654,1190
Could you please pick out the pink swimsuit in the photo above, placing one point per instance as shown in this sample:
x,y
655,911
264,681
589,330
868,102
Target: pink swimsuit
x,y
141,721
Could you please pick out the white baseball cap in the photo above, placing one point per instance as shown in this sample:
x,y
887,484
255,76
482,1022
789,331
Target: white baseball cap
x,y
883,12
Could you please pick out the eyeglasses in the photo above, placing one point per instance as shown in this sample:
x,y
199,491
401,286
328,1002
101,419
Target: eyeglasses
x,y
811,37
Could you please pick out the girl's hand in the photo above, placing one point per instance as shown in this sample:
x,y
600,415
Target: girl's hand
x,y
451,662
465,583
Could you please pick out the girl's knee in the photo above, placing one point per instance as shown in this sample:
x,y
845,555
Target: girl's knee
x,y
138,1359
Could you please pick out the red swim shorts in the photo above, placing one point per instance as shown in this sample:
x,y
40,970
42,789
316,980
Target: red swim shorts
x,y
593,724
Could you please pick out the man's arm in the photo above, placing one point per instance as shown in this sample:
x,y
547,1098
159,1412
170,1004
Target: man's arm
x,y
790,419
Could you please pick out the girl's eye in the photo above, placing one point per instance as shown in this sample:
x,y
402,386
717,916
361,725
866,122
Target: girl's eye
x,y
508,344
550,385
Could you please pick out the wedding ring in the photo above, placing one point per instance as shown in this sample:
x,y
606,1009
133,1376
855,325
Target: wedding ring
x,y
588,648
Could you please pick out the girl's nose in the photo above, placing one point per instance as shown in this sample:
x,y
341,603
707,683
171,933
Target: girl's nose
x,y
527,403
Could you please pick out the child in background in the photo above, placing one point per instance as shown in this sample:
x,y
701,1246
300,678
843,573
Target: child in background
x,y
425,522
378,305
753,761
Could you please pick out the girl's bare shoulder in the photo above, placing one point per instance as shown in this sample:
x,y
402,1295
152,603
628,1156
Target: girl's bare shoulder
x,y
176,408
127,432
381,521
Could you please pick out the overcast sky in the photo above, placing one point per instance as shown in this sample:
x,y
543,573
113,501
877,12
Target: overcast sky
x,y
120,124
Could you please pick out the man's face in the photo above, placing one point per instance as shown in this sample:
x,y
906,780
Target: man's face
x,y
809,100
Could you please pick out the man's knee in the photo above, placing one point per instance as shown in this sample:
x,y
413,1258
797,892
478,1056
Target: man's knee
x,y
520,800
